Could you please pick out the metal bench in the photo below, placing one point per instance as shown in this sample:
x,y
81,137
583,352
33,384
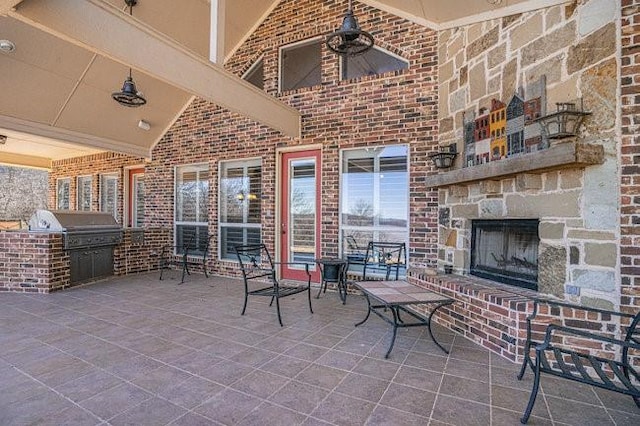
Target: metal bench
x,y
553,355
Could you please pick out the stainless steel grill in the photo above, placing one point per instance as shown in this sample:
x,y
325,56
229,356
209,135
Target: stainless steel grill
x,y
89,238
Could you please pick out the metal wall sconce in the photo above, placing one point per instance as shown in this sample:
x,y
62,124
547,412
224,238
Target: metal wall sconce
x,y
443,159
563,123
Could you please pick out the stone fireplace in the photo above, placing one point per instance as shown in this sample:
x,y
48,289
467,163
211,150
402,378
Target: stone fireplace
x,y
506,251
569,186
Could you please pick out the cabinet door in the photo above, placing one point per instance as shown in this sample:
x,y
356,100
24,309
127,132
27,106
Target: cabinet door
x,y
81,265
102,260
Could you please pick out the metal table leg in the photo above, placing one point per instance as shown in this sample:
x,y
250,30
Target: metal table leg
x,y
429,325
368,311
396,318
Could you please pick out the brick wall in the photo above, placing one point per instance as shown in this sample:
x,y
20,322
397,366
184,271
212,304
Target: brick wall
x,y
140,250
395,108
630,156
32,262
490,316
94,166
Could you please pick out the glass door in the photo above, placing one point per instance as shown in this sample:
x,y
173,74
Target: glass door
x,y
136,198
300,212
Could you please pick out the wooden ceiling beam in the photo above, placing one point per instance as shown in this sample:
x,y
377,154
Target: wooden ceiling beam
x,y
21,160
70,136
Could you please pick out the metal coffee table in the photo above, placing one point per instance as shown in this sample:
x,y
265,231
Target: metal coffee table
x,y
396,296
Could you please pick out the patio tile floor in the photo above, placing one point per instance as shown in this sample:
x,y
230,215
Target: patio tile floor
x,y
139,351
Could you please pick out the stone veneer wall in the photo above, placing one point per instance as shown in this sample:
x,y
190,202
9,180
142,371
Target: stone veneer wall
x,y
32,262
630,155
575,47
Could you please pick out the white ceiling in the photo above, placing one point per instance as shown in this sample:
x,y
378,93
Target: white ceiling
x,y
59,87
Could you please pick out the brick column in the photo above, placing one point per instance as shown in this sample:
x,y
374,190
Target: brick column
x,y
630,155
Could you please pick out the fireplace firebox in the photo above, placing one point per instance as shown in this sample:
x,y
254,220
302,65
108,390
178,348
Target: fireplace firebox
x,y
506,251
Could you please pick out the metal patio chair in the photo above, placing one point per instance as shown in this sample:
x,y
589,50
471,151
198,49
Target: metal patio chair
x,y
258,266
189,254
384,260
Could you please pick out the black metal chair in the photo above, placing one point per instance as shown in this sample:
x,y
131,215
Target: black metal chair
x,y
257,265
382,260
353,252
554,357
191,253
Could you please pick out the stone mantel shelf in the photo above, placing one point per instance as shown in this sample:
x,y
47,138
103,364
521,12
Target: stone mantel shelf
x,y
561,155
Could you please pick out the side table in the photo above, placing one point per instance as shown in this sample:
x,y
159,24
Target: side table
x,y
333,270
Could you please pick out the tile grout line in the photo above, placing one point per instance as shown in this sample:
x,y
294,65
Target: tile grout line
x,y
490,389
446,363
49,388
391,381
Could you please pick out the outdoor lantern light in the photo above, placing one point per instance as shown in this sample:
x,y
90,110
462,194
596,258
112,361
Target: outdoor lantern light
x,y
129,95
563,123
443,159
349,40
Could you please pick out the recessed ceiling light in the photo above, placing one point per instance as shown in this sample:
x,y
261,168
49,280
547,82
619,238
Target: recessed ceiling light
x,y
7,46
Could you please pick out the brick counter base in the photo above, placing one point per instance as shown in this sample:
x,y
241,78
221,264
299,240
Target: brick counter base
x,y
32,262
486,313
494,315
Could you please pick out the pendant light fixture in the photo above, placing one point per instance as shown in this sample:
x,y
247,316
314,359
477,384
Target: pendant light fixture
x,y
129,95
349,40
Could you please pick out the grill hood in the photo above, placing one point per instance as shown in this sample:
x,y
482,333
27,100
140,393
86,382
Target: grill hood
x,y
70,221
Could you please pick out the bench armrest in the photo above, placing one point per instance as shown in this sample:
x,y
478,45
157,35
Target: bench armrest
x,y
560,304
553,327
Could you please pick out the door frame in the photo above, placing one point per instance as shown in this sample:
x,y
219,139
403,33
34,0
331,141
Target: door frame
x,y
279,197
127,204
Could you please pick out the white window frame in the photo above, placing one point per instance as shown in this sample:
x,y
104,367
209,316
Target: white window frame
x,y
376,196
79,191
222,168
66,180
114,178
281,49
252,68
199,167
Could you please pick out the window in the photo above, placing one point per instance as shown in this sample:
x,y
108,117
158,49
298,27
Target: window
x,y
255,74
192,207
84,193
62,193
373,62
300,65
375,195
109,194
240,205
